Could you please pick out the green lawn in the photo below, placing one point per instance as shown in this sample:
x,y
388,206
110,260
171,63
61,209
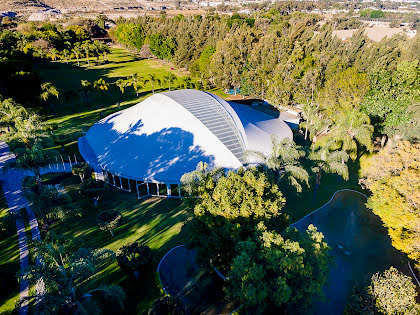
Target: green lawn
x,y
9,260
156,222
72,113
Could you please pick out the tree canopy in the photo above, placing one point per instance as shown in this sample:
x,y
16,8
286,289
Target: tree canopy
x,y
393,177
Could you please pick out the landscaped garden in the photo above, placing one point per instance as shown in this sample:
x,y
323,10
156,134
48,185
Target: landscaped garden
x,y
101,247
155,222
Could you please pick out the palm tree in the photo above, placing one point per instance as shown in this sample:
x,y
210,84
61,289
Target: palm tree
x,y
103,49
76,52
186,82
329,162
29,128
153,79
121,84
351,129
284,161
53,54
170,79
101,85
10,113
86,46
86,86
136,81
69,280
48,91
65,54
33,158
96,48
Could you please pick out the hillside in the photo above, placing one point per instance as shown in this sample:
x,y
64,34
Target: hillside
x,y
64,5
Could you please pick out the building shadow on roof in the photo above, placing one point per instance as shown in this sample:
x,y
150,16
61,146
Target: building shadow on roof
x,y
162,156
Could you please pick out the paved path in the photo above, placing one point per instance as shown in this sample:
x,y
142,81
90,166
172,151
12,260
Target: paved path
x,y
11,181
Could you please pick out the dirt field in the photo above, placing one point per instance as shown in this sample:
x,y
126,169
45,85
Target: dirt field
x,y
375,33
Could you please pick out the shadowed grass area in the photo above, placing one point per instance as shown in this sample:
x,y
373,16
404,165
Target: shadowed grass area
x,y
9,260
155,222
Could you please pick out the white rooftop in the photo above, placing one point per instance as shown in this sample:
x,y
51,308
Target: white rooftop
x,y
167,134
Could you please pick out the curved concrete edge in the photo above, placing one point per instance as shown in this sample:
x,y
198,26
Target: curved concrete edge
x,y
414,275
338,191
160,262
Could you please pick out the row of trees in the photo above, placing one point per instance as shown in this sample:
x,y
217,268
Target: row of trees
x,y
290,60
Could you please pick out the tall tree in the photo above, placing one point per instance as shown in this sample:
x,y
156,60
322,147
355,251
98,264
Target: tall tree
x,y
136,82
229,208
86,87
284,161
49,90
69,279
329,161
153,81
279,272
101,85
77,53
388,292
352,129
87,48
121,84
170,78
393,177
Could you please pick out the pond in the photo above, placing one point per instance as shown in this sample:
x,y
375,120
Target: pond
x,y
359,244
200,290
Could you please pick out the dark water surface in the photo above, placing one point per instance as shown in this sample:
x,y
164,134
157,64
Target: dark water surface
x,y
359,244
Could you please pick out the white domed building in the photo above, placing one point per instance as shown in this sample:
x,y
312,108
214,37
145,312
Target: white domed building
x,y
149,146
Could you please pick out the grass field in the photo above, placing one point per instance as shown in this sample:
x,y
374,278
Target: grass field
x,y
155,222
73,113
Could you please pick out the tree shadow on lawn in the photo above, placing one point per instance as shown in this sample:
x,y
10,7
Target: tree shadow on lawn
x,y
157,215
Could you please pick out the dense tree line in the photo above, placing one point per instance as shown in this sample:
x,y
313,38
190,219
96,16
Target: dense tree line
x,y
291,60
21,47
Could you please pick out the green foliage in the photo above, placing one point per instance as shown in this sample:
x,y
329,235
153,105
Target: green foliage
x,y
68,280
376,14
392,97
33,158
284,161
344,91
329,161
389,292
51,203
130,35
200,67
393,177
229,208
162,47
81,170
352,131
134,256
166,305
93,189
273,271
109,220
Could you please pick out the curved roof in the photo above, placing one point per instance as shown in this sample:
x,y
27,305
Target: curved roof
x,y
168,134
217,115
